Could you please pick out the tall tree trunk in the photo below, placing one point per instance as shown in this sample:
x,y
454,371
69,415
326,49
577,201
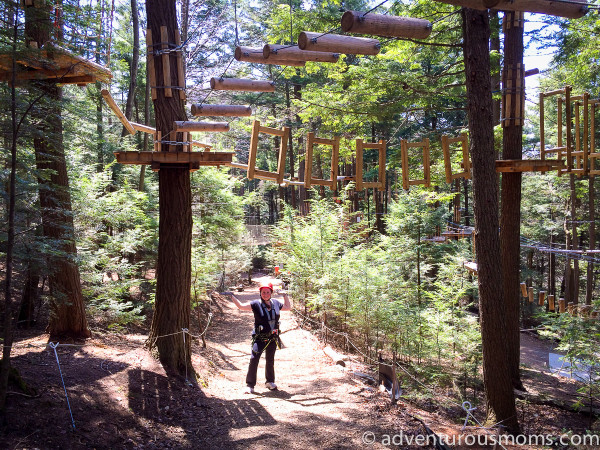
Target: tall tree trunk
x,y
510,214
67,316
496,376
589,289
292,188
173,272
133,68
574,241
495,47
7,332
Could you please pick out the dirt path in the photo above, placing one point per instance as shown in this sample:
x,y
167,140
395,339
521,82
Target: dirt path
x,y
316,404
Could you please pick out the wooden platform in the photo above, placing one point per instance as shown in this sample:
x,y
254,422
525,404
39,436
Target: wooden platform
x,y
529,165
435,239
159,160
467,232
52,63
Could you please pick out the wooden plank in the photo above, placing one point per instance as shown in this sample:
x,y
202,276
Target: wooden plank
x,y
166,66
308,160
201,158
571,10
382,159
447,160
405,168
528,165
271,131
253,149
150,63
282,152
115,108
386,26
359,164
335,43
180,71
238,165
143,128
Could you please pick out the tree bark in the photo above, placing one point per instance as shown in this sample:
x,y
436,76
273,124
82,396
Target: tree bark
x,y
496,376
510,214
173,273
133,68
67,316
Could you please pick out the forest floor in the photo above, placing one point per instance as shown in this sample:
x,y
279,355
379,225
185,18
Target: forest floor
x,y
120,396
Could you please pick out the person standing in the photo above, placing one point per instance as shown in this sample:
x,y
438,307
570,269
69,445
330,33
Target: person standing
x,y
265,336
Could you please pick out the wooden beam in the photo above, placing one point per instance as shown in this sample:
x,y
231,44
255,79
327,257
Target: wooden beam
x,y
255,55
528,165
221,110
570,9
386,26
143,128
293,53
180,71
201,158
239,84
335,43
201,126
150,63
115,108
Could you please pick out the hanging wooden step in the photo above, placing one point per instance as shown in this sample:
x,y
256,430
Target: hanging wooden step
x,y
195,127
335,43
570,9
293,53
360,148
466,161
263,174
240,84
406,181
386,26
334,143
529,165
221,110
255,55
470,266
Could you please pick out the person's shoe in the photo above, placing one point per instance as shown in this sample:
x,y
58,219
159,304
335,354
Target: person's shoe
x,y
271,386
249,390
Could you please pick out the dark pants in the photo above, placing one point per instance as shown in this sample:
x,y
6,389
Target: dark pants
x,y
258,347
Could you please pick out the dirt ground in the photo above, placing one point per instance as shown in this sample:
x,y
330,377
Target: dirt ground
x,y
120,396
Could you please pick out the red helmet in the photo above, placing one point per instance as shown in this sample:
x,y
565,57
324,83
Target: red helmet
x,y
265,285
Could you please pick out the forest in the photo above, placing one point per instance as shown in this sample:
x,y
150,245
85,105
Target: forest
x,y
426,198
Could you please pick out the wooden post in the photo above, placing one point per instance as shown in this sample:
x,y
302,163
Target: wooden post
x,y
359,164
551,302
530,294
568,130
395,387
542,133
201,126
335,43
157,143
308,160
571,308
282,53
255,55
221,110
586,118
180,71
253,149
150,63
238,84
542,298
561,305
166,66
447,159
387,26
404,157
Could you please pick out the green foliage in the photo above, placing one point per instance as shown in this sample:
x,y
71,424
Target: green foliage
x,y
392,293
